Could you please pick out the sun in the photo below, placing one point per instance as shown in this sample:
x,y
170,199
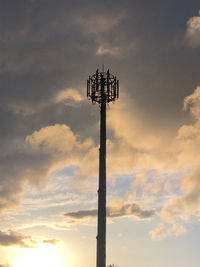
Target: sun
x,y
43,255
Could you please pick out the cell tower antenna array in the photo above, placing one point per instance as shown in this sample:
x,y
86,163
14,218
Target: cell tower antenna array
x,y
102,88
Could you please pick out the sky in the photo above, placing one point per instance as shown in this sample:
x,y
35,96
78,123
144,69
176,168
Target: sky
x,y
49,132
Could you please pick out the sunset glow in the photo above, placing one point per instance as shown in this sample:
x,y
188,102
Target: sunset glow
x,y
43,255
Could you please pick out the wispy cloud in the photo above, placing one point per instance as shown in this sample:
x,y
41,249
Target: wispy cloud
x,y
162,232
132,210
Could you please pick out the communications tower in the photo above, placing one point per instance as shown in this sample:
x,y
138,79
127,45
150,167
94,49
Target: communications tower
x,y
102,88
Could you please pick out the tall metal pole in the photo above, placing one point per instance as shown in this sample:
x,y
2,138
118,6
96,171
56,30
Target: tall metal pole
x,y
102,88
101,235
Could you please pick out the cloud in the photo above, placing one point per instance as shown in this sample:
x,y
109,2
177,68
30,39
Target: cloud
x,y
137,144
187,143
193,103
107,49
192,35
81,214
132,210
64,149
28,168
145,149
187,204
149,187
134,146
162,232
53,241
16,239
50,148
98,22
66,95
187,140
46,50
51,139
59,141
103,26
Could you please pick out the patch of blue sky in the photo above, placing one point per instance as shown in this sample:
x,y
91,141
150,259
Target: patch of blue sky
x,y
172,176
68,202
58,184
145,193
66,171
57,196
121,184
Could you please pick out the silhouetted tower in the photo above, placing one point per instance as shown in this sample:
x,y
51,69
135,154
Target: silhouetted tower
x,y
102,88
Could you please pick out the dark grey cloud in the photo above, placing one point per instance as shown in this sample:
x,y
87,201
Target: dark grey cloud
x,y
16,239
133,210
81,214
18,167
55,41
